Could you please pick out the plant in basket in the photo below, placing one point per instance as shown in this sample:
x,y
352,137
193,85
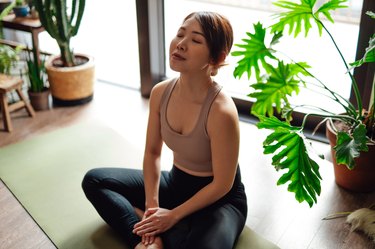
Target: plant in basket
x,y
71,75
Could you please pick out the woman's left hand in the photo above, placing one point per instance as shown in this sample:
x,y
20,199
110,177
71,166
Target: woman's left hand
x,y
158,220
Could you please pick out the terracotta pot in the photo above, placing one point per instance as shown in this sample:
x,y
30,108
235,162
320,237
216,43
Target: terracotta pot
x,y
39,100
71,85
362,177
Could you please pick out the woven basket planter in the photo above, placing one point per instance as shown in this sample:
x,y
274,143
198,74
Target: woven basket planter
x,y
71,85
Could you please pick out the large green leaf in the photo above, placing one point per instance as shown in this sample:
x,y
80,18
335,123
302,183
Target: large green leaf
x,y
330,6
274,92
254,53
291,153
349,147
300,15
369,55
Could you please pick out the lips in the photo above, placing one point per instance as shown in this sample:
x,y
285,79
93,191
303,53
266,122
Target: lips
x,y
177,56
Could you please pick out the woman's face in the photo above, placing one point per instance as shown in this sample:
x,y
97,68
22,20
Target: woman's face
x,y
188,51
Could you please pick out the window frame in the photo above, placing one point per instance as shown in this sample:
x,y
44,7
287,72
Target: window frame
x,y
151,44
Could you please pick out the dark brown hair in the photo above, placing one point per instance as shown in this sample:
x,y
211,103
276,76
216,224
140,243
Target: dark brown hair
x,y
217,31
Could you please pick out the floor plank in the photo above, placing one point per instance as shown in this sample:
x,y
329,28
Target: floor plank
x,y
17,229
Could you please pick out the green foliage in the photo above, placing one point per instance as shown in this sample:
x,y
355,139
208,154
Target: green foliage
x,y
8,58
369,55
255,52
302,13
276,81
61,24
36,73
281,82
290,153
20,2
349,147
5,12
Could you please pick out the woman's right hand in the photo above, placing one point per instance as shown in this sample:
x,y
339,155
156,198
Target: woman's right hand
x,y
147,239
157,220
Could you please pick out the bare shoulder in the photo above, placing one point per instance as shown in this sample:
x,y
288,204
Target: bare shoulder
x,y
224,105
157,91
223,113
159,88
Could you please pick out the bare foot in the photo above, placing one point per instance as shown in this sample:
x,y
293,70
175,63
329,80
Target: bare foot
x,y
140,246
158,244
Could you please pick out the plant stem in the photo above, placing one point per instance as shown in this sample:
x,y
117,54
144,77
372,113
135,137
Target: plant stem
x,y
350,108
339,117
313,107
335,95
354,83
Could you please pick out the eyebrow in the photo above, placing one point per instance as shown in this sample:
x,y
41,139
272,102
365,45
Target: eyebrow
x,y
194,32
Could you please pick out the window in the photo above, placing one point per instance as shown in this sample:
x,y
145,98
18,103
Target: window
x,y
325,61
110,37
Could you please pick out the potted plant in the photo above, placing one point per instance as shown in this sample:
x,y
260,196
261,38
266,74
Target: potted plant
x,y
5,8
277,80
38,90
21,8
8,57
71,76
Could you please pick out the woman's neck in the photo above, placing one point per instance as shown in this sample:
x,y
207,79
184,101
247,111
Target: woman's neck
x,y
193,88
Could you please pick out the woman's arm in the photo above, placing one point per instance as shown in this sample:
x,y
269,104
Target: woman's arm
x,y
152,153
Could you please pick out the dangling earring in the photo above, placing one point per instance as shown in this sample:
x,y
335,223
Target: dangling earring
x,y
214,71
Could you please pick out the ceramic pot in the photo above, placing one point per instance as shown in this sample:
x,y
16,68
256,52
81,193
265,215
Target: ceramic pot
x,y
362,177
71,85
21,11
40,100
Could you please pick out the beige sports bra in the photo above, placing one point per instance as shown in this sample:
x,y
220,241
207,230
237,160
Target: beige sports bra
x,y
193,150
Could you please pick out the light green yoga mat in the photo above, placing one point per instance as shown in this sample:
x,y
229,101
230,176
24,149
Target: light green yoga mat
x,y
45,175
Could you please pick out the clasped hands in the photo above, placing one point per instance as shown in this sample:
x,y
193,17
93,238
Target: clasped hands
x,y
154,221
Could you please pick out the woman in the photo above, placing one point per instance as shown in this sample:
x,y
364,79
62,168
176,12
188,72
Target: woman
x,y
200,202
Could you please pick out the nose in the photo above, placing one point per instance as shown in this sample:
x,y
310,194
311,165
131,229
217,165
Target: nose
x,y
181,45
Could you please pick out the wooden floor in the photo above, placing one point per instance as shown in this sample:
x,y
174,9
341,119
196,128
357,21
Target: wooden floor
x,y
273,211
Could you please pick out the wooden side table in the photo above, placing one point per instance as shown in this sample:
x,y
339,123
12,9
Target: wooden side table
x,y
26,24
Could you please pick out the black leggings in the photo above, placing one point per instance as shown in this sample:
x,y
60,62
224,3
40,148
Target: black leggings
x,y
115,191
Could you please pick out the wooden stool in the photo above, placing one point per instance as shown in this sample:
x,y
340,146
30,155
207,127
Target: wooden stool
x,y
7,84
